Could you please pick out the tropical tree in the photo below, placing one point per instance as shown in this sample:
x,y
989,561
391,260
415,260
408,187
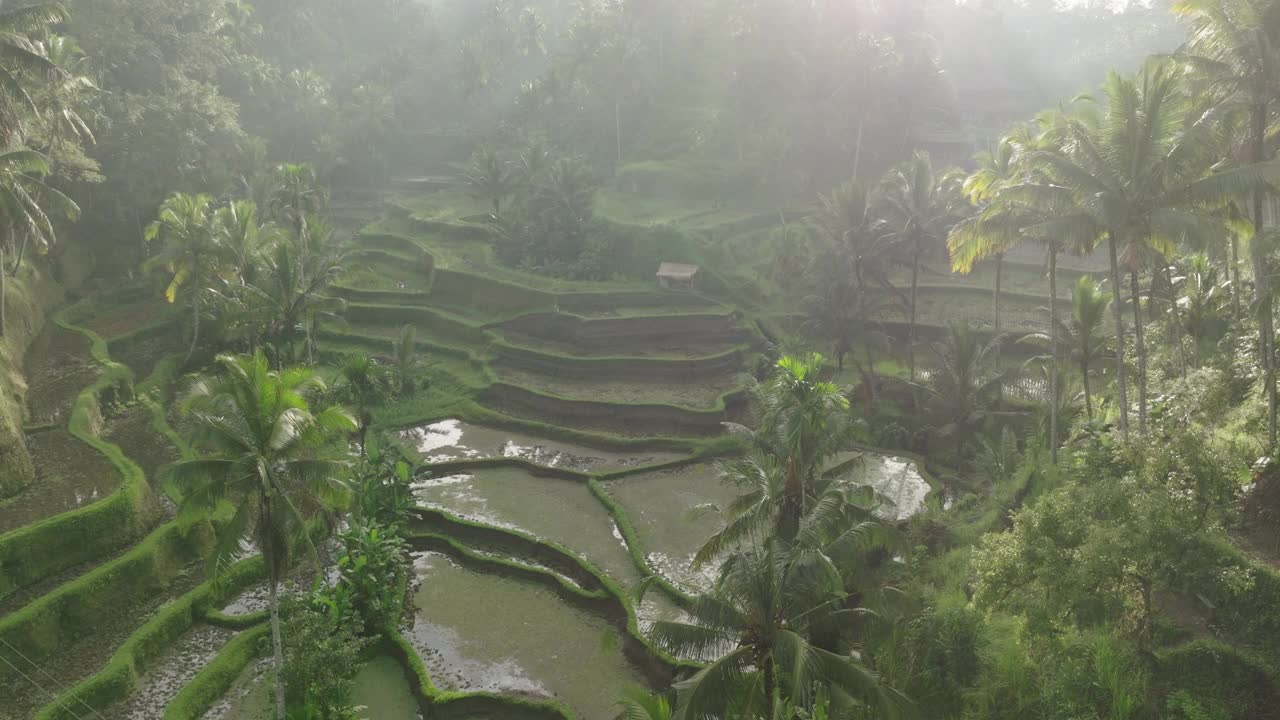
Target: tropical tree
x,y
260,448
754,630
1235,44
190,250
23,200
1145,175
920,206
245,242
404,359
1083,336
290,299
362,384
296,195
965,386
639,704
489,178
804,422
24,66
1200,303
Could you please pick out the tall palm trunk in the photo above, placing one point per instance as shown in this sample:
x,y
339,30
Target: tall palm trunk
x,y
911,327
1235,277
1084,377
1261,277
3,289
871,374
1117,307
996,303
1175,319
1053,354
195,310
793,500
1140,348
269,554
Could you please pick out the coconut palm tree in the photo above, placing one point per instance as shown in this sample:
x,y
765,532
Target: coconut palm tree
x,y
1200,301
191,250
404,358
245,241
965,386
290,299
489,178
362,384
260,448
296,195
1145,175
754,630
25,202
1235,44
1083,336
920,206
804,422
24,66
639,704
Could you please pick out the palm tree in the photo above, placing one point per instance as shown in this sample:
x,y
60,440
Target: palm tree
x,y
839,517
1005,220
754,630
190,251
1200,305
290,300
362,384
1235,44
1083,335
25,65
296,194
404,358
489,178
803,423
639,704
261,449
965,387
920,207
23,199
67,92
1144,175
245,242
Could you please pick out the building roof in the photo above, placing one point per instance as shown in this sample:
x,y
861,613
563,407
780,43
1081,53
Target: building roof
x,y
677,271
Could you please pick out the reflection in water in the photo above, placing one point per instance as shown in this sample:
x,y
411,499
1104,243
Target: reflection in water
x,y
481,632
456,440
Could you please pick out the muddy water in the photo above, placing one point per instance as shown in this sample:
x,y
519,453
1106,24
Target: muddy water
x,y
76,660
561,511
480,632
170,672
674,512
457,440
704,393
69,474
897,481
249,697
382,688
58,366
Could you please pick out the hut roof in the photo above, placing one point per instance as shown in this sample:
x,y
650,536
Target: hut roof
x,y
677,271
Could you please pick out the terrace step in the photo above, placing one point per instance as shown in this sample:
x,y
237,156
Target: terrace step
x,y
638,420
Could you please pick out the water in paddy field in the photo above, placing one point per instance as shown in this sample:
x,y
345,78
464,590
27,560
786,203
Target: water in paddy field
x,y
564,512
383,690
458,440
169,673
674,511
482,632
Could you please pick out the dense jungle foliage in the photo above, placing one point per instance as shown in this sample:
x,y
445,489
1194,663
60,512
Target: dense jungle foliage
x,y
1029,245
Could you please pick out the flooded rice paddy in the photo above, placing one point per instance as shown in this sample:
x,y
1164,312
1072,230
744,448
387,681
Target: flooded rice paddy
x,y
459,440
382,689
69,475
674,511
704,393
58,365
171,671
561,511
483,632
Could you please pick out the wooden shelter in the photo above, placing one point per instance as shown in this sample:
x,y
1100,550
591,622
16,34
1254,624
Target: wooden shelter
x,y
676,276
